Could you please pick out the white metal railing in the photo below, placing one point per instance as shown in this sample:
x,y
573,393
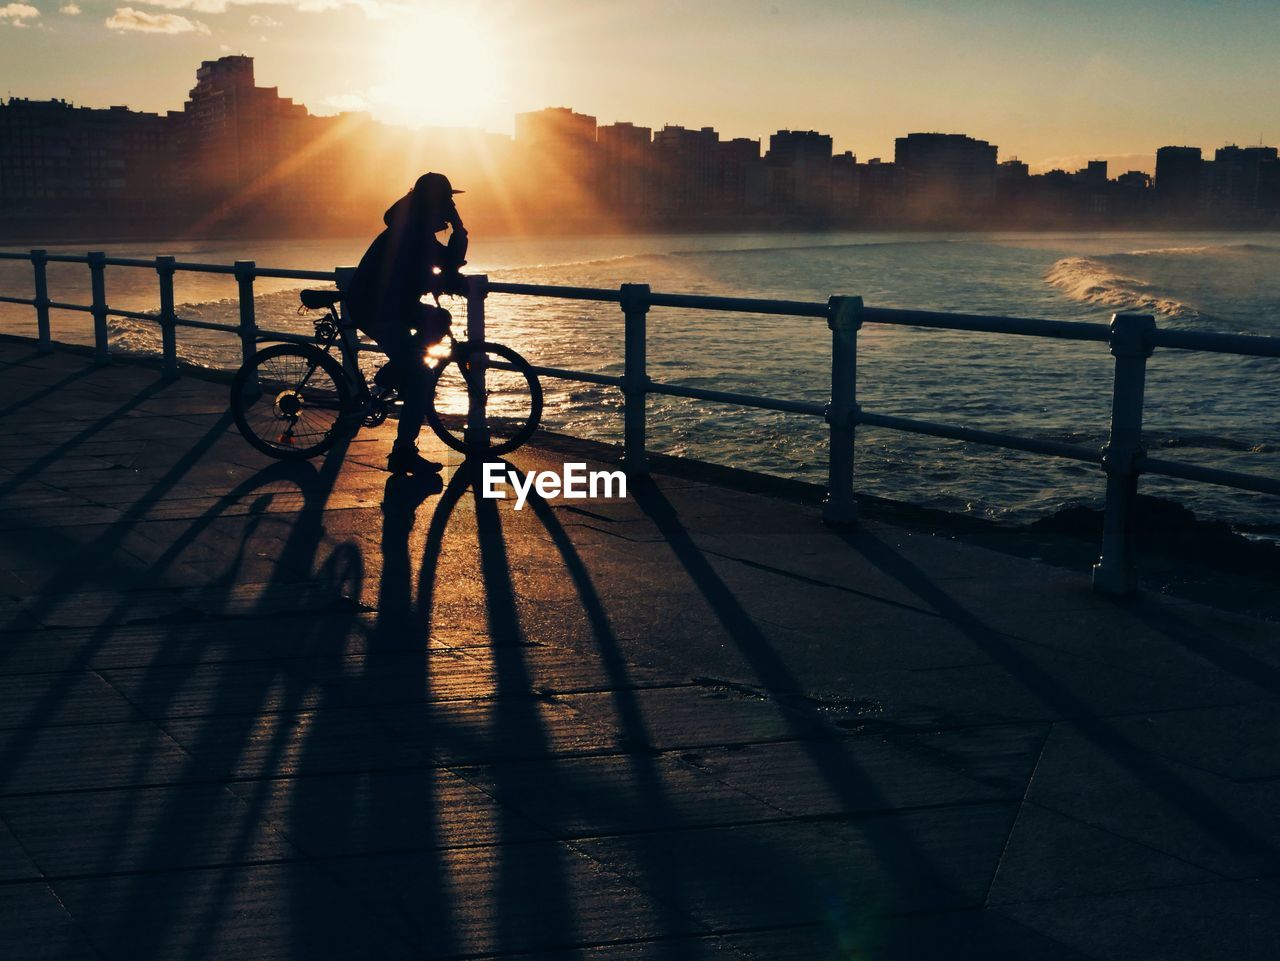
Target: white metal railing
x,y
1131,338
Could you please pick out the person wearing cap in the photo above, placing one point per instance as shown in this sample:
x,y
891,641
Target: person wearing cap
x,y
403,263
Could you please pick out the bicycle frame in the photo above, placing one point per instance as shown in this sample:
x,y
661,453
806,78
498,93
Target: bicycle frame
x,y
368,402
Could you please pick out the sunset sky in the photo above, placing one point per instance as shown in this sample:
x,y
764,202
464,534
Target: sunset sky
x,y
1052,82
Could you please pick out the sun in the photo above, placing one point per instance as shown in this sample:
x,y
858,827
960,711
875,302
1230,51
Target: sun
x,y
441,66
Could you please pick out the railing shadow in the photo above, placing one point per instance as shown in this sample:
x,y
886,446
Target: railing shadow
x,y
59,385
913,868
918,879
1204,643
530,881
1236,837
36,467
238,717
51,596
660,874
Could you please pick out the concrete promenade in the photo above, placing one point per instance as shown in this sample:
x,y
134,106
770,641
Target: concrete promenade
x,y
255,711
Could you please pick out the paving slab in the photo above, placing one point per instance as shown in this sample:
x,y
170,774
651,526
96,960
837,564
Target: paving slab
x,y
266,710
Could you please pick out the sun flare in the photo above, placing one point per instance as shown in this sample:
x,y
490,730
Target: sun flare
x,y
441,66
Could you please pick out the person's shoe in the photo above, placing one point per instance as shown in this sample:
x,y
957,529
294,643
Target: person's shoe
x,y
384,378
407,460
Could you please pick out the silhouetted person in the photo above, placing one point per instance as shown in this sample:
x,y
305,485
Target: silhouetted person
x,y
404,262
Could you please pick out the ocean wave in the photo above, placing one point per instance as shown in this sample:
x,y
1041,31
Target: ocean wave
x,y
857,245
683,255
497,272
135,337
275,305
1205,250
1095,280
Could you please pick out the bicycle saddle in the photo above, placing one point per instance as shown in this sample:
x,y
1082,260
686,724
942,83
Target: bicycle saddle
x,y
319,299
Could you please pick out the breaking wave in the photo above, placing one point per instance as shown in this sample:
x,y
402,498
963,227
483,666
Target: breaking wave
x,y
137,337
275,310
1100,281
1190,283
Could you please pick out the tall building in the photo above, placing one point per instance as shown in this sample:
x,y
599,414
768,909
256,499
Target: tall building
x,y
945,176
878,190
1012,170
742,183
844,184
1179,180
54,156
556,150
799,164
233,135
687,165
1233,180
626,166
1269,188
1094,173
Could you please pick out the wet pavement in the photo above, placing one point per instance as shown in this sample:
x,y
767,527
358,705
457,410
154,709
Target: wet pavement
x,y
262,710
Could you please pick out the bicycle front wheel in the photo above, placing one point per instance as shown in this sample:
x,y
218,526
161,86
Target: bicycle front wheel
x,y
484,400
292,401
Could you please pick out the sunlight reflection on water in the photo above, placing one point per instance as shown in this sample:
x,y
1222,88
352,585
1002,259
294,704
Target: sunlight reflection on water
x,y
1210,409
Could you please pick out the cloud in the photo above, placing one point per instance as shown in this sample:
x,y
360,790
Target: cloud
x,y
18,14
346,102
257,20
374,9
1118,163
139,21
69,10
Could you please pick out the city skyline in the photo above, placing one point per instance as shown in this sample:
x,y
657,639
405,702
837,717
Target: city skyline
x,y
1056,85
241,156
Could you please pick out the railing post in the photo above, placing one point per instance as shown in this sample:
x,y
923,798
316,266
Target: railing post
x,y
477,433
351,357
97,276
1116,573
39,261
844,317
635,377
168,319
244,271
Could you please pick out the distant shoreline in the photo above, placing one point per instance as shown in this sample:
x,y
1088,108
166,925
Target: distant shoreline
x,y
26,242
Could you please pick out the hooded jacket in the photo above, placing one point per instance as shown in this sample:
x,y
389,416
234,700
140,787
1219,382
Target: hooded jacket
x,y
400,265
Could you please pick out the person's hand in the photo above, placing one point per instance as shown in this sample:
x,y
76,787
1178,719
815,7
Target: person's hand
x,y
453,282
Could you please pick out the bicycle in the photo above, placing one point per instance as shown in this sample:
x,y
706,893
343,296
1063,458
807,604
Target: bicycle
x,y
294,401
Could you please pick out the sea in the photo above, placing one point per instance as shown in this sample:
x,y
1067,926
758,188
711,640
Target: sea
x,y
1208,409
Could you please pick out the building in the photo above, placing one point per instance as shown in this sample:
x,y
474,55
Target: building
x,y
687,166
232,134
844,185
1179,177
626,167
945,177
1012,170
57,157
1269,189
878,191
1094,173
799,163
1135,180
743,187
557,160
1234,183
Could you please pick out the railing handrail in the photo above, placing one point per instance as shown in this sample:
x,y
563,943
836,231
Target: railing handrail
x,y
1131,338
1248,345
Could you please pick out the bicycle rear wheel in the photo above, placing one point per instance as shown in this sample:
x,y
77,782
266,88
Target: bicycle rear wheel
x,y
292,401
511,398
